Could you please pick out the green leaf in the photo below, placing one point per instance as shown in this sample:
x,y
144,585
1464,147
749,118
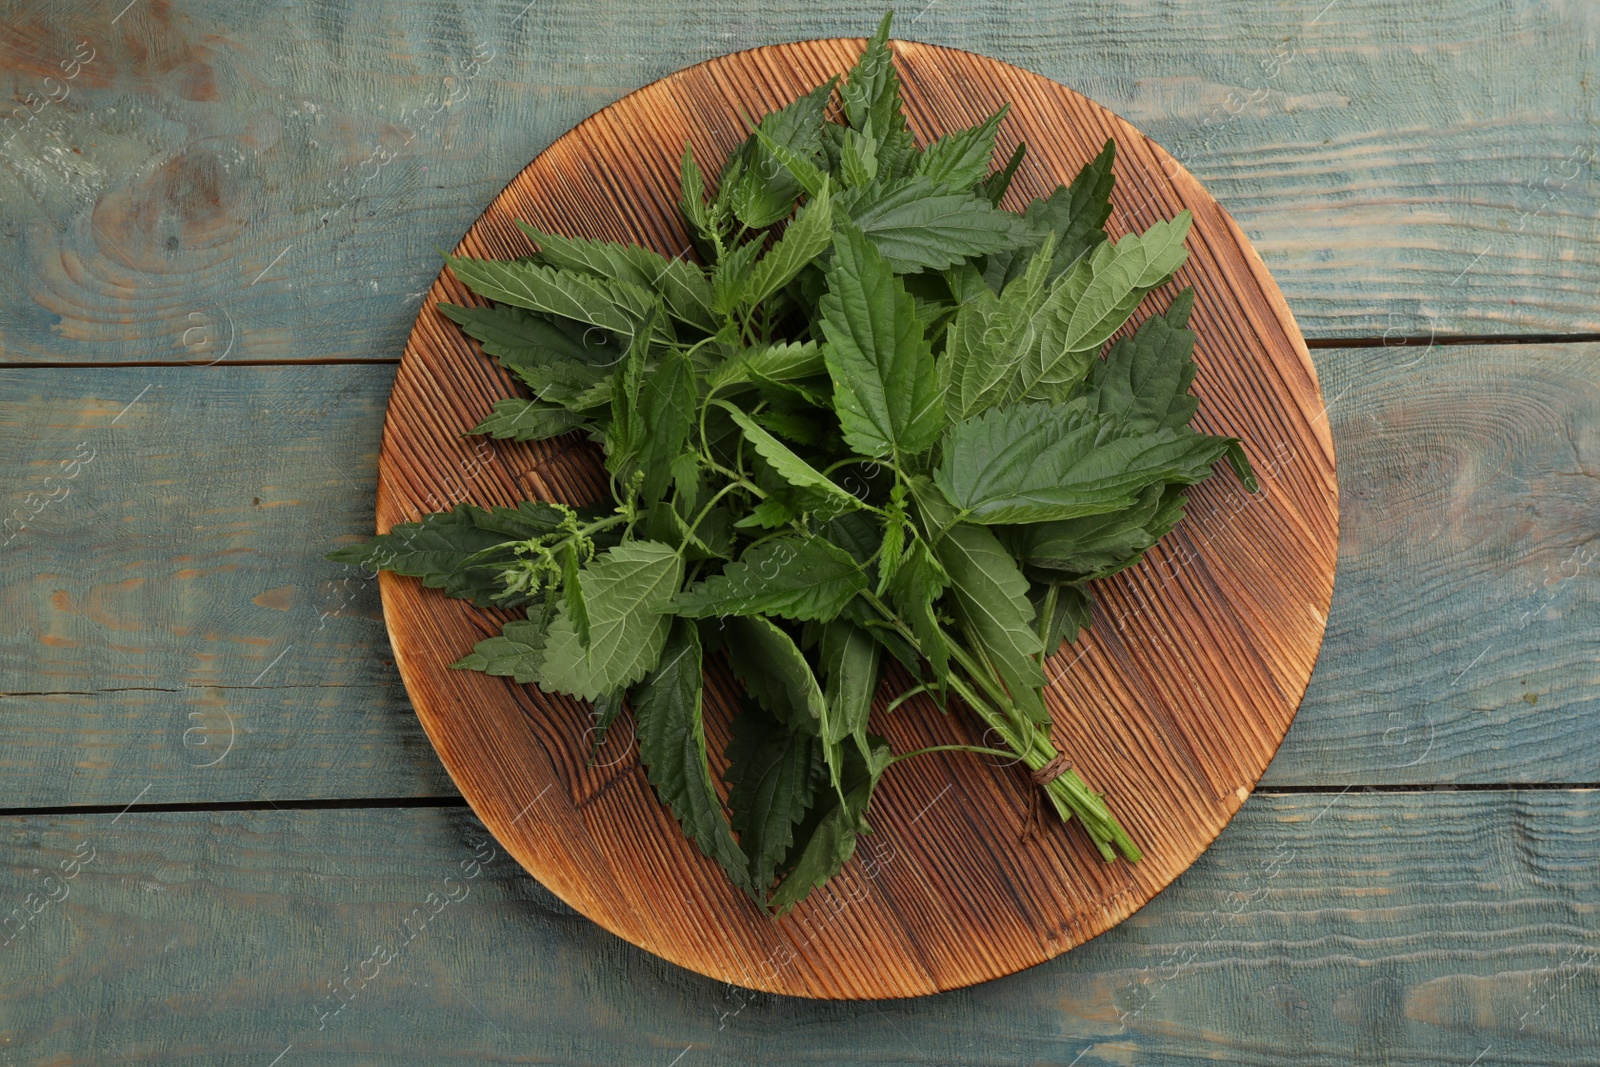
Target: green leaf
x,y
826,843
1037,462
436,549
516,653
527,420
625,436
993,188
858,159
808,236
1076,214
682,285
692,202
773,773
885,390
806,174
612,305
764,190
777,364
1097,546
788,466
667,407
918,225
1120,273
769,514
915,588
1091,302
1071,612
961,159
991,339
731,275
628,591
1145,378
672,745
794,576
850,660
529,519
776,673
572,592
871,92
990,601
517,337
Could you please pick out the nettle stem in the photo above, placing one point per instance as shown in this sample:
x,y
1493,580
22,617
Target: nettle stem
x,y
1068,793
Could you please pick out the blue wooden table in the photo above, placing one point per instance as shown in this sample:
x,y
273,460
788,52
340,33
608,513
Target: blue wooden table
x,y
215,801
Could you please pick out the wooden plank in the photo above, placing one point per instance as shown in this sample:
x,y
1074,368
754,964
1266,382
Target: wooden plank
x,y
1462,501
1466,607
217,185
168,615
1325,929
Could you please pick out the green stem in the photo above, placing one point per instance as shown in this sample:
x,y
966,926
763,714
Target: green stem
x,y
978,749
1068,792
698,519
1047,615
903,697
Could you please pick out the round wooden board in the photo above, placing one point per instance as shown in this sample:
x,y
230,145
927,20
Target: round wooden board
x,y
1172,703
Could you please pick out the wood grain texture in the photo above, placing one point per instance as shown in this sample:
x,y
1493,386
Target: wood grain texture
x,y
1322,930
1173,713
283,177
1464,513
1466,613
167,617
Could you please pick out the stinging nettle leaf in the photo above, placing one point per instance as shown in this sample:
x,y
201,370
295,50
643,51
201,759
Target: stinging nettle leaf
x,y
527,420
790,467
1096,545
827,839
619,307
1037,462
766,188
1122,272
516,653
994,341
919,225
672,745
961,159
778,364
1075,214
917,585
808,236
993,188
776,673
793,576
850,660
990,601
1145,378
572,592
871,91
885,390
773,774
667,407
628,592
518,337
440,549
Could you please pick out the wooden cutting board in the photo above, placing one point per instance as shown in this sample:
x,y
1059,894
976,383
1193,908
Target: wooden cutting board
x,y
1172,704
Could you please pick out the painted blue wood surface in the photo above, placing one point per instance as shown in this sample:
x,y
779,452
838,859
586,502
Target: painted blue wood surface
x,y
215,185
1325,929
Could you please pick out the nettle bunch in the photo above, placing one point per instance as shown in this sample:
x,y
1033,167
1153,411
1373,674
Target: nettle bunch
x,y
873,423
